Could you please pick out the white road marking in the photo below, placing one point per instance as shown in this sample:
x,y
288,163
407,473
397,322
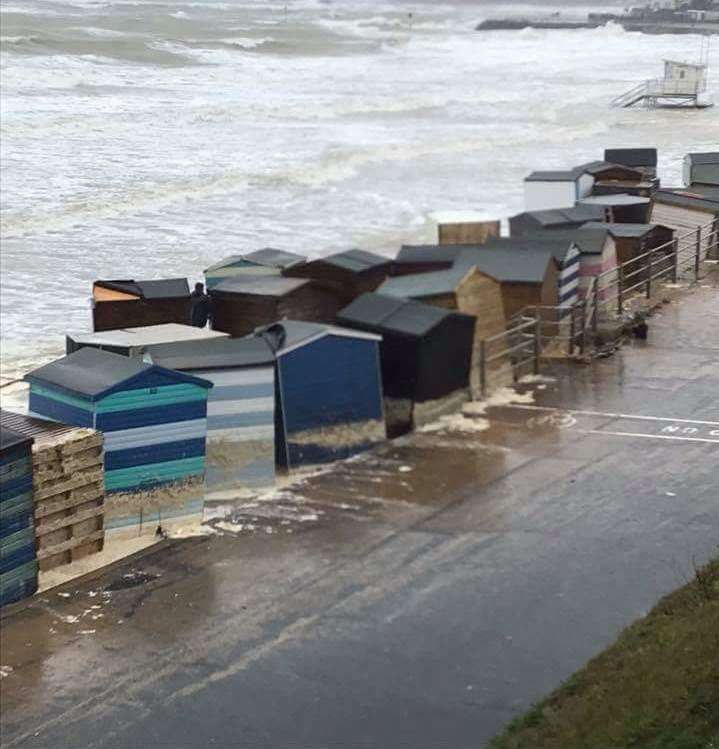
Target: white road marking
x,y
648,436
608,414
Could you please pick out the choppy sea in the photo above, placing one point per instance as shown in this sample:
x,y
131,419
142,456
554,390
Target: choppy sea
x,y
149,138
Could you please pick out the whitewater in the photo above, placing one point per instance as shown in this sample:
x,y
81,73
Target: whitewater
x,y
150,139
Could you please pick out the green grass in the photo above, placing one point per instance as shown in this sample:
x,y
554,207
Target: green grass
x,y
656,687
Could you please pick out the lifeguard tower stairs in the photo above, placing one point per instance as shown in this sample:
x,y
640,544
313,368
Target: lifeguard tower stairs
x,y
683,86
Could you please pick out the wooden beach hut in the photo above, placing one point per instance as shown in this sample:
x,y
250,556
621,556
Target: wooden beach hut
x,y
425,356
642,159
265,262
348,274
240,408
130,304
328,390
464,227
687,210
154,422
135,341
241,304
632,240
18,564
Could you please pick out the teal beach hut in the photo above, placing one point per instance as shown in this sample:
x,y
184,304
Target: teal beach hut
x,y
154,420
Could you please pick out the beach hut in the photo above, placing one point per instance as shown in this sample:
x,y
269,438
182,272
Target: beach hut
x,y
265,262
545,190
18,564
131,304
632,240
622,207
241,304
612,178
348,273
135,341
425,356
642,159
464,227
240,408
530,222
687,210
154,420
329,392
701,169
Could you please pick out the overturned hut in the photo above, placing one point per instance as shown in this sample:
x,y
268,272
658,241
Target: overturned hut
x,y
623,208
131,304
18,565
242,304
348,274
135,341
240,408
265,262
426,353
329,392
154,423
67,489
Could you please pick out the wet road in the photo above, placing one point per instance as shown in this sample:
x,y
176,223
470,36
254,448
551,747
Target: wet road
x,y
420,596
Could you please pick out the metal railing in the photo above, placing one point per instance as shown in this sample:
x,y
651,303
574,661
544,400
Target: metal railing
x,y
534,328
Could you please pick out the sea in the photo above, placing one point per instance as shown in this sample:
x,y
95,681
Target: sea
x,y
150,138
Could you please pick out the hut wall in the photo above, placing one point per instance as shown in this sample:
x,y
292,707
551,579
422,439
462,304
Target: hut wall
x,y
683,220
134,313
331,400
517,296
476,232
341,284
240,427
18,565
593,265
410,269
240,314
315,302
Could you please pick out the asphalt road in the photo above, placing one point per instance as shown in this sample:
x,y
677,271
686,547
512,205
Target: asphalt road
x,y
420,596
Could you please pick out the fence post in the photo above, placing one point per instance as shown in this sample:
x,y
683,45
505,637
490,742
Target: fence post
x,y
675,266
572,327
650,269
698,253
583,334
483,368
537,343
620,289
595,293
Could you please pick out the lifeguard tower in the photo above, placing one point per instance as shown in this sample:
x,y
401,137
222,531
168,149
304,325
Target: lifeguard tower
x,y
683,86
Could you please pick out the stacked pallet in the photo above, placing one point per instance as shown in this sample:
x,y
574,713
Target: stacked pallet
x,y
67,487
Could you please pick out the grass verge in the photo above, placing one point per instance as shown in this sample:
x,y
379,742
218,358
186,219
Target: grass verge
x,y
656,687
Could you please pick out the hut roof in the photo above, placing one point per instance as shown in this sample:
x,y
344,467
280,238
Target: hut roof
x,y
428,253
146,335
633,157
267,256
621,229
418,285
560,175
614,200
10,438
276,286
589,241
388,314
38,430
572,215
166,288
597,167
93,373
248,351
698,197
355,261
558,243
288,335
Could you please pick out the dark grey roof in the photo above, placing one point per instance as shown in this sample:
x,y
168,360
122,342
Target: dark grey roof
x,y
275,258
216,353
614,200
420,285
166,288
697,197
356,261
708,157
10,438
621,229
387,314
589,241
91,372
267,257
428,253
632,157
508,263
565,175
32,428
286,334
275,286
558,216
555,242
596,167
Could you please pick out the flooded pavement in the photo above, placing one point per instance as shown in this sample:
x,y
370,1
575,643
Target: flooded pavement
x,y
420,595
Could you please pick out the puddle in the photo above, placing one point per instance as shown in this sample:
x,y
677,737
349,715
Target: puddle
x,y
132,579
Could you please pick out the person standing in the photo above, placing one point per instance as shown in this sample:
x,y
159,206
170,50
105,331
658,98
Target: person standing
x,y
199,306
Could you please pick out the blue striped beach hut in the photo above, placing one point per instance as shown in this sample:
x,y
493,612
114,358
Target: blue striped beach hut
x,y
328,392
154,420
18,565
240,409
